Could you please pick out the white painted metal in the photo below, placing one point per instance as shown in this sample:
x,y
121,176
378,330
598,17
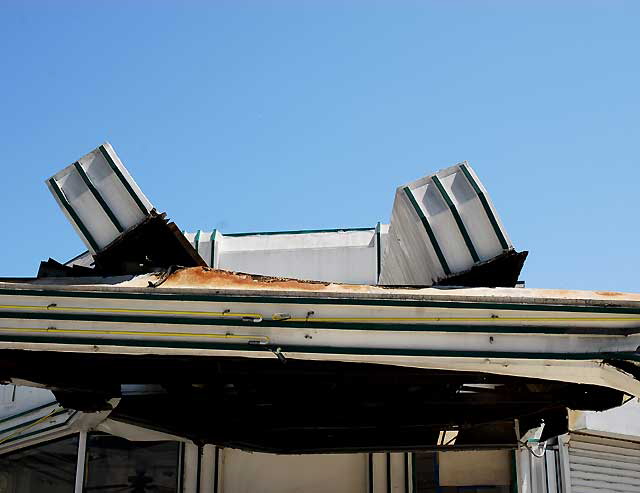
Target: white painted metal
x,y
99,197
380,472
81,462
599,464
18,399
190,468
208,468
621,422
500,340
30,426
7,397
345,256
135,433
443,223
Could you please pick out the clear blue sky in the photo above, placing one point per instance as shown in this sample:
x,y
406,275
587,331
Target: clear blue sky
x,y
267,115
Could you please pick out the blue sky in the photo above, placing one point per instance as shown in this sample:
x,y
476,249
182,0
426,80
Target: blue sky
x,y
267,115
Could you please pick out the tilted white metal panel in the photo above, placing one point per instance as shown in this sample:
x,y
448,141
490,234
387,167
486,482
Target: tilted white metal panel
x,y
99,197
599,465
441,225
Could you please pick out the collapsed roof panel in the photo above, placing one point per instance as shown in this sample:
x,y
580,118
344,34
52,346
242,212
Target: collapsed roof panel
x,y
441,225
171,328
113,217
444,231
99,197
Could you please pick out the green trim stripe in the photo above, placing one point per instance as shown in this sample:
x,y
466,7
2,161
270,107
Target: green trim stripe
x,y
324,300
196,241
28,411
213,249
457,218
414,475
406,471
74,216
351,326
299,231
198,466
27,423
487,208
378,253
388,467
353,351
216,472
123,180
514,472
39,432
98,197
430,234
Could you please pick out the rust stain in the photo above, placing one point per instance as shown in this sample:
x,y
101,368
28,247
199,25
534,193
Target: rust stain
x,y
609,293
207,277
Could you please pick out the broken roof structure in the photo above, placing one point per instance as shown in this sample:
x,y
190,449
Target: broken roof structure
x,y
307,341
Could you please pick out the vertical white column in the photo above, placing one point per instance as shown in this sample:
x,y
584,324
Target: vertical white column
x,y
563,450
209,469
190,468
81,462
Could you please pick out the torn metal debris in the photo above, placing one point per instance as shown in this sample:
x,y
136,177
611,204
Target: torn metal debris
x,y
445,230
417,315
123,231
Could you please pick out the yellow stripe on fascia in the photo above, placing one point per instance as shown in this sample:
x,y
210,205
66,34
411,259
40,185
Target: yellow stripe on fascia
x,y
131,333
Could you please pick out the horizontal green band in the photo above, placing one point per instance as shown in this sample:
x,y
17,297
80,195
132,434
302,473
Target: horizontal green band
x,y
284,324
27,423
159,295
29,411
298,232
354,351
40,432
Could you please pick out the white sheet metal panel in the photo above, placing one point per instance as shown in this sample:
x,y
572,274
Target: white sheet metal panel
x,y
441,225
620,422
540,474
99,197
599,465
350,256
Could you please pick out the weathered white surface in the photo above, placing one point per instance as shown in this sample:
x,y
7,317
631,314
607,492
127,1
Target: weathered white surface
x,y
621,422
16,399
345,256
602,464
440,226
466,330
95,224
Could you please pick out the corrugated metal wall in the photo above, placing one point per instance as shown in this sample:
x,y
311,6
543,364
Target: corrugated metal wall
x,y
599,465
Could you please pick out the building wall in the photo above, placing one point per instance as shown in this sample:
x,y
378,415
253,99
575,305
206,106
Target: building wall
x,y
244,472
